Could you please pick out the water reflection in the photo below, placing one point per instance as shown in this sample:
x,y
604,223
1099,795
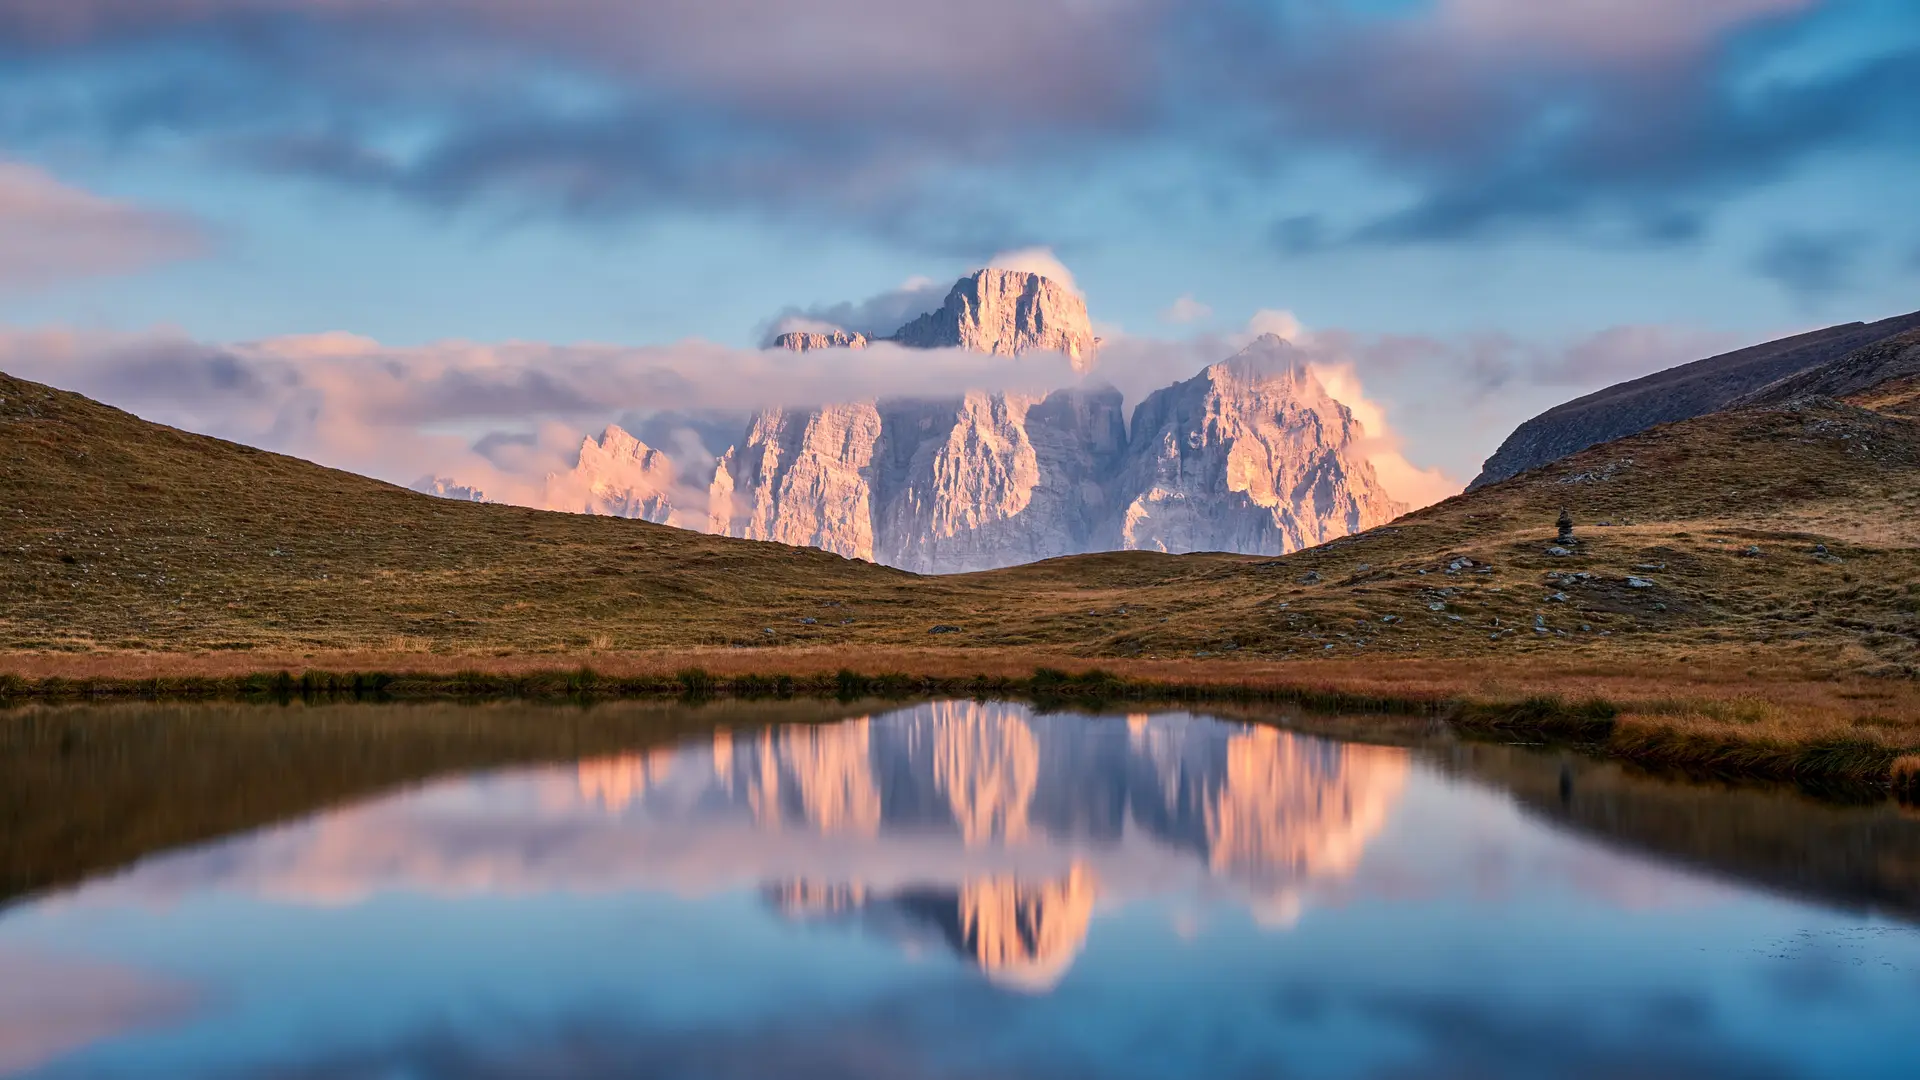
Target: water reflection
x,y
954,889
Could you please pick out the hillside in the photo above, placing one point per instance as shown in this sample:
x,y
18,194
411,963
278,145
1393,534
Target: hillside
x,y
118,535
1676,394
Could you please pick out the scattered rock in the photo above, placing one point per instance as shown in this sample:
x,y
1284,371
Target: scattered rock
x,y
1639,583
1311,577
1584,628
943,628
1389,618
1753,552
1558,552
1458,565
808,621
1651,566
1437,605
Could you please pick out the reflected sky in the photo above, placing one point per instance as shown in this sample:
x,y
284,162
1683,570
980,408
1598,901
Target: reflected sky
x,y
953,890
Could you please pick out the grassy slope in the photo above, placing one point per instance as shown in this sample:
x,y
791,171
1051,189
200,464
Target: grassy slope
x,y
126,547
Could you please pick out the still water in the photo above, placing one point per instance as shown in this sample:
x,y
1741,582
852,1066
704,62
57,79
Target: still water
x,y
953,889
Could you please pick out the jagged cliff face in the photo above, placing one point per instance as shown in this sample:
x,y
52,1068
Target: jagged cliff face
x,y
802,477
1006,313
1251,455
988,480
809,340
617,476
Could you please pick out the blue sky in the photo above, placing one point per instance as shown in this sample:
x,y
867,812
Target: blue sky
x,y
1541,175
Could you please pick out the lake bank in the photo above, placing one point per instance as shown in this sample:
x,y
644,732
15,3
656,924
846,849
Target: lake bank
x,y
1729,713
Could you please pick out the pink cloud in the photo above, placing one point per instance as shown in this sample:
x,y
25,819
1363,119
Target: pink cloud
x,y
51,232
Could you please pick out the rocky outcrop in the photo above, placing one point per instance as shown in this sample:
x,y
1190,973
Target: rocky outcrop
x,y
809,340
1676,394
1006,313
1251,455
617,476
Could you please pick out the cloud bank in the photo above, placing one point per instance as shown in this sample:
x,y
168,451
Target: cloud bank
x,y
922,120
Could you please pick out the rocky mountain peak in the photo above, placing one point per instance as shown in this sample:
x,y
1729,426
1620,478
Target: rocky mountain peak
x,y
809,340
1005,313
618,476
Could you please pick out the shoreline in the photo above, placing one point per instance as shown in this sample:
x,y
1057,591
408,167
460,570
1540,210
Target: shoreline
x,y
1716,717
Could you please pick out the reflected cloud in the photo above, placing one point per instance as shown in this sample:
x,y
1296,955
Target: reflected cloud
x,y
53,1006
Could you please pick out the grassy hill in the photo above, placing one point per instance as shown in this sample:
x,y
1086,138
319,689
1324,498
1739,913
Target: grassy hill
x,y
1795,526
1745,578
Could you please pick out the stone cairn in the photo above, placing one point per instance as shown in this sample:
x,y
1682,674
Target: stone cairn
x,y
1566,528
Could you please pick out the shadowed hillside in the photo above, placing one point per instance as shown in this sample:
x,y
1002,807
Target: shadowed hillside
x,y
1677,394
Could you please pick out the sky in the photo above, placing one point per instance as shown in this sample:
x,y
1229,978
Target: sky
x,y
214,211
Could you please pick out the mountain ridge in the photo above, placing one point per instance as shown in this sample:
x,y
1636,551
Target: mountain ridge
x,y
1676,393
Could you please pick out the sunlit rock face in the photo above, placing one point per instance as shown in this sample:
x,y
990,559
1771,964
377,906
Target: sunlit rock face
x,y
809,340
1252,455
617,476
1006,313
802,477
984,481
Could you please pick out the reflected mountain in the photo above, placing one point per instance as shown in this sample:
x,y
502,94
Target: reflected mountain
x,y
1263,811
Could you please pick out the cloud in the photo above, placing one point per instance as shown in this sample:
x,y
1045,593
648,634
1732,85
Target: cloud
x,y
53,1006
1281,324
493,416
877,316
1812,265
1614,31
1628,117
500,417
1186,310
1383,446
50,232
1035,260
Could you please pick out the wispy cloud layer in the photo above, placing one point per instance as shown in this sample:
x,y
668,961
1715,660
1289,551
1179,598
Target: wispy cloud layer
x,y
51,232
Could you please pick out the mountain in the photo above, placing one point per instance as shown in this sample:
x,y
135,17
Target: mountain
x,y
1679,393
809,340
1897,357
617,476
1250,455
1006,313
442,487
